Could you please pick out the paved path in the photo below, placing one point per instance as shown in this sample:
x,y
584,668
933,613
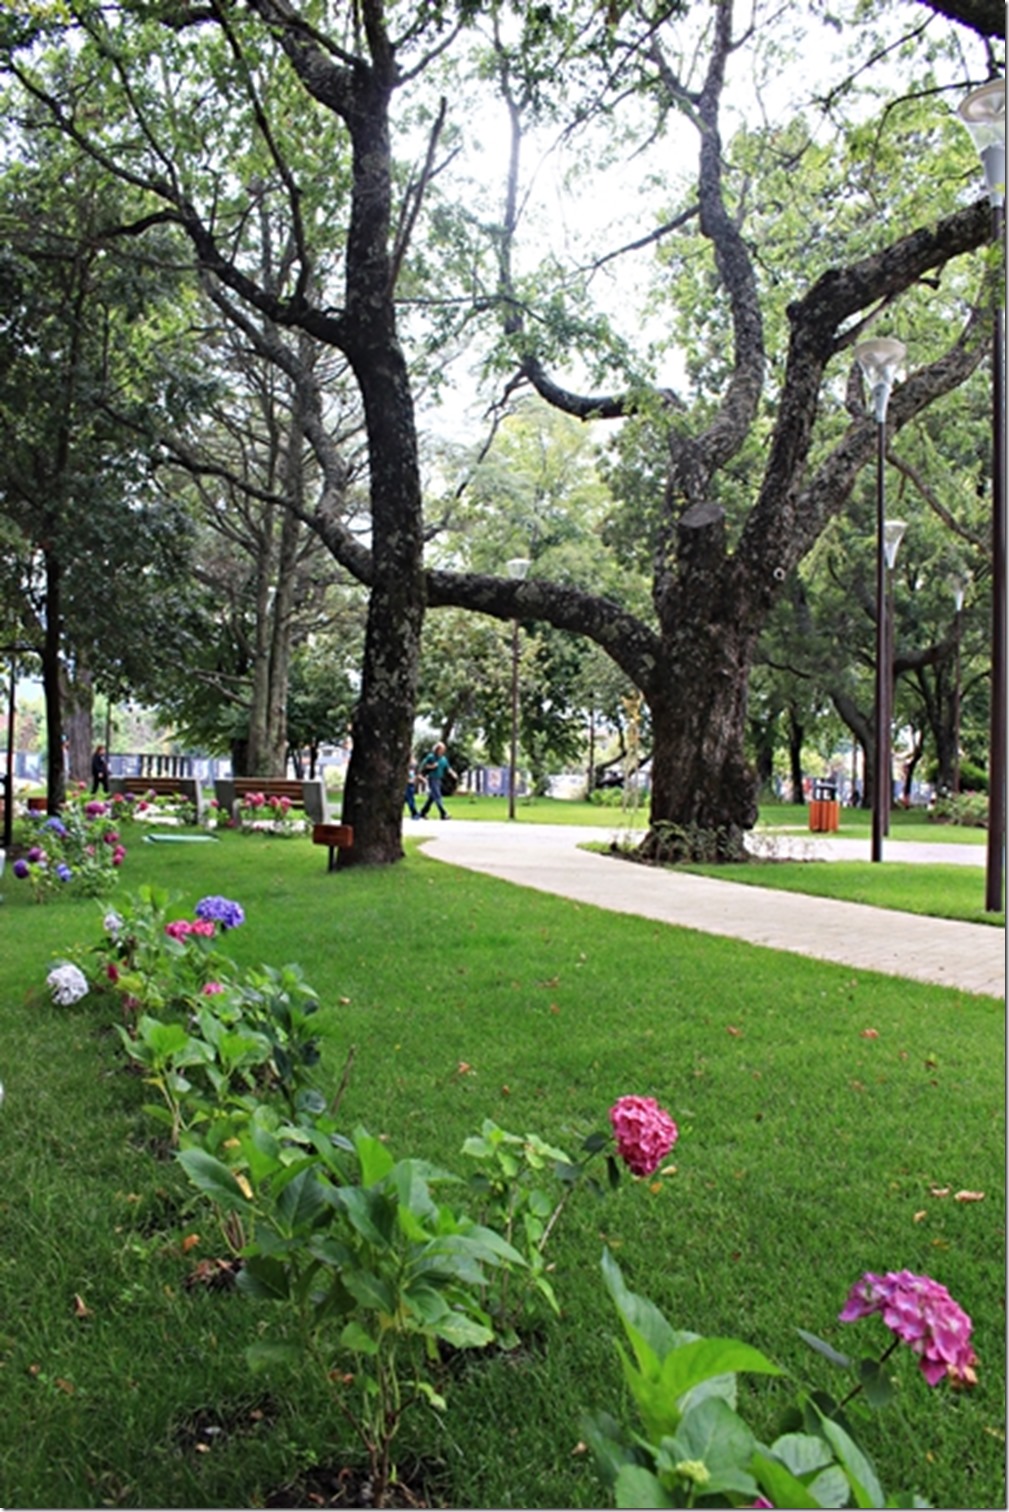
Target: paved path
x,y
546,857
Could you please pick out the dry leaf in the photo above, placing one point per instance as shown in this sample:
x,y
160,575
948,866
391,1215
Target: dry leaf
x,y
506,1091
940,1191
655,1186
81,1310
920,1214
64,1385
190,1242
731,1029
668,1171
554,1008
968,1196
580,1448
243,1182
870,1034
344,1002
464,1069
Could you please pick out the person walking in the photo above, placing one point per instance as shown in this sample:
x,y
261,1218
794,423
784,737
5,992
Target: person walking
x,y
435,767
410,796
99,770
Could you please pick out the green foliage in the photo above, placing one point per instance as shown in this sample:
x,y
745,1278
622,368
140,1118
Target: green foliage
x,y
694,1447
965,808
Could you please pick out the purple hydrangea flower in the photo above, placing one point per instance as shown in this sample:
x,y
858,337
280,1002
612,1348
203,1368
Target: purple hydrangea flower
x,y
222,910
57,826
63,872
37,854
21,867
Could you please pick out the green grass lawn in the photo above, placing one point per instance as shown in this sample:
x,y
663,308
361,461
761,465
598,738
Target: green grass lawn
x,y
856,824
944,892
809,1153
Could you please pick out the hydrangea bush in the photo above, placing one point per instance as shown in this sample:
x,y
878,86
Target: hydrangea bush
x,y
80,847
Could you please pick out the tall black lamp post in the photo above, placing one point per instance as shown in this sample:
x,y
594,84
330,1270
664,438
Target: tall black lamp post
x,y
517,568
893,534
983,114
879,360
958,583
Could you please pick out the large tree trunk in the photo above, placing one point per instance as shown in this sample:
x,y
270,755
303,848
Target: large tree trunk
x,y
56,775
795,738
382,725
704,792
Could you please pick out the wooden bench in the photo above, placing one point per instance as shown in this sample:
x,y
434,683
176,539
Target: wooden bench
x,y
188,788
309,794
336,836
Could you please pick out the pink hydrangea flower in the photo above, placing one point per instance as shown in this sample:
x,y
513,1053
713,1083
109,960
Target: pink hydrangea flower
x,y
209,989
205,927
644,1132
178,929
922,1313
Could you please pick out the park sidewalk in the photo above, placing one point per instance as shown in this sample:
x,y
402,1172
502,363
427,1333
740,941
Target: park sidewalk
x,y
970,957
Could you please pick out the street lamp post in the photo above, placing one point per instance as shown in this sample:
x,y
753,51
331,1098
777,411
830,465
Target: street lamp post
x,y
879,360
893,534
983,114
957,585
517,568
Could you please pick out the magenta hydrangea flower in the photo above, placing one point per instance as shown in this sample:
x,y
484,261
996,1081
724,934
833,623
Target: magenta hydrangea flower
x,y
644,1132
924,1316
177,929
211,989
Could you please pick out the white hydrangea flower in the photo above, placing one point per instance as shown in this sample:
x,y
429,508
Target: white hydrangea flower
x,y
67,983
112,923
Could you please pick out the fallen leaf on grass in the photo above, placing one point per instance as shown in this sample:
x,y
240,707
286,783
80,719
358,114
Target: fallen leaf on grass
x,y
190,1242
731,1029
81,1310
580,1448
940,1191
464,1069
870,1034
968,1196
64,1385
920,1214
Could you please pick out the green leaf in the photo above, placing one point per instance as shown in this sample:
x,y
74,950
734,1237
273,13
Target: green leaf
x,y
689,1364
369,1290
300,1203
802,1452
828,1352
876,1384
638,1487
462,1332
357,1338
716,1436
779,1485
214,1178
376,1161
265,1277
651,1336
856,1465
370,1213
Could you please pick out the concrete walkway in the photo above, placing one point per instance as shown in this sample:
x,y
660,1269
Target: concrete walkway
x,y
970,957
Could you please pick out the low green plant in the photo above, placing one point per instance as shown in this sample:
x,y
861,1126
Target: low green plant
x,y
377,1268
524,1184
695,1449
968,809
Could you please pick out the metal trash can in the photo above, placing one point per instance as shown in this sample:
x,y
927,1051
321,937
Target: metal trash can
x,y
824,809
